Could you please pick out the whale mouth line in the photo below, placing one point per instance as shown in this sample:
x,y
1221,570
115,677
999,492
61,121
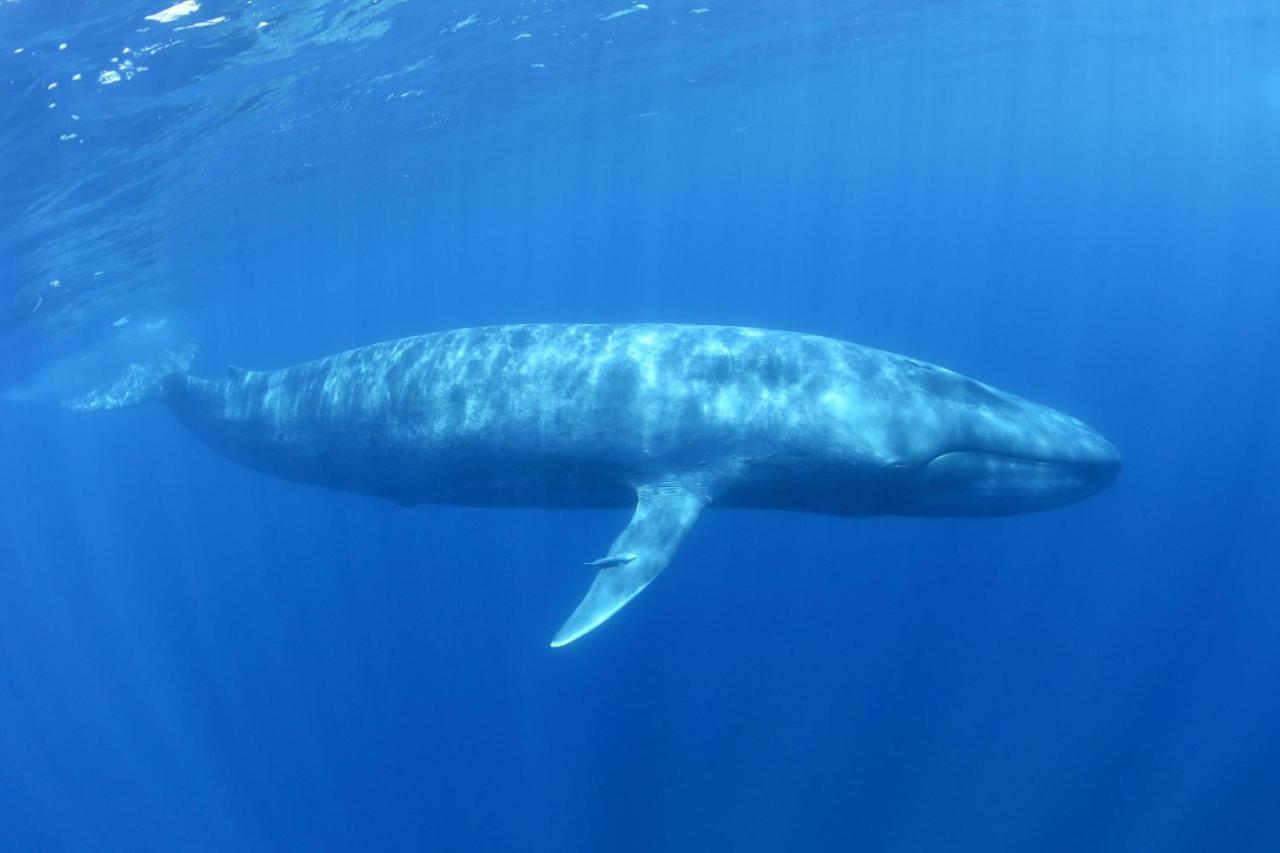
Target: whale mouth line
x,y
959,454
1105,468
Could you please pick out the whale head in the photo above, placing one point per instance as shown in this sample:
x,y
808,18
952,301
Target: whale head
x,y
993,453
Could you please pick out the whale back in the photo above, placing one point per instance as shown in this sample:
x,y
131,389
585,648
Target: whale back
x,y
546,415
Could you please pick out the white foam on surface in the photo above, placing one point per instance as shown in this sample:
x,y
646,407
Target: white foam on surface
x,y
639,7
174,12
212,22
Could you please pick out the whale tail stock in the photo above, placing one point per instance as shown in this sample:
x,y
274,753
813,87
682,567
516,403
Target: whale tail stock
x,y
663,515
141,382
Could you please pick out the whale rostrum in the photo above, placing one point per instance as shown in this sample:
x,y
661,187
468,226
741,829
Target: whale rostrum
x,y
667,419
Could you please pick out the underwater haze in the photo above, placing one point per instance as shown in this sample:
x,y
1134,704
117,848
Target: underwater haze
x,y
1078,202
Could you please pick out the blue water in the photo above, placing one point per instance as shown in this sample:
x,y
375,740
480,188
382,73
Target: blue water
x,y
1074,201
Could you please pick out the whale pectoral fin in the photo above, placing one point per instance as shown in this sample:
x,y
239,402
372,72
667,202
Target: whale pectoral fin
x,y
664,514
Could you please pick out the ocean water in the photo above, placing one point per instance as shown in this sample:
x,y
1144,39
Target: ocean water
x,y
1074,201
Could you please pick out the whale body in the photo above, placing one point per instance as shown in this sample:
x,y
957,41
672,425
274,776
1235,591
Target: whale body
x,y
668,419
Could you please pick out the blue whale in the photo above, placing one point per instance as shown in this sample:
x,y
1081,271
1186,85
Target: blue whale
x,y
668,419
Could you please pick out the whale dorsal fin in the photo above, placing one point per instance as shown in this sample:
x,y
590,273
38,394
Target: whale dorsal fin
x,y
664,514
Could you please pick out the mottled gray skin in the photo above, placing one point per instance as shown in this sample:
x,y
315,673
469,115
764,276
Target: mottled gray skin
x,y
583,415
668,419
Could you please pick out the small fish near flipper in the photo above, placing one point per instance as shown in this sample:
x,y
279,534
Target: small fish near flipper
x,y
664,514
612,561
